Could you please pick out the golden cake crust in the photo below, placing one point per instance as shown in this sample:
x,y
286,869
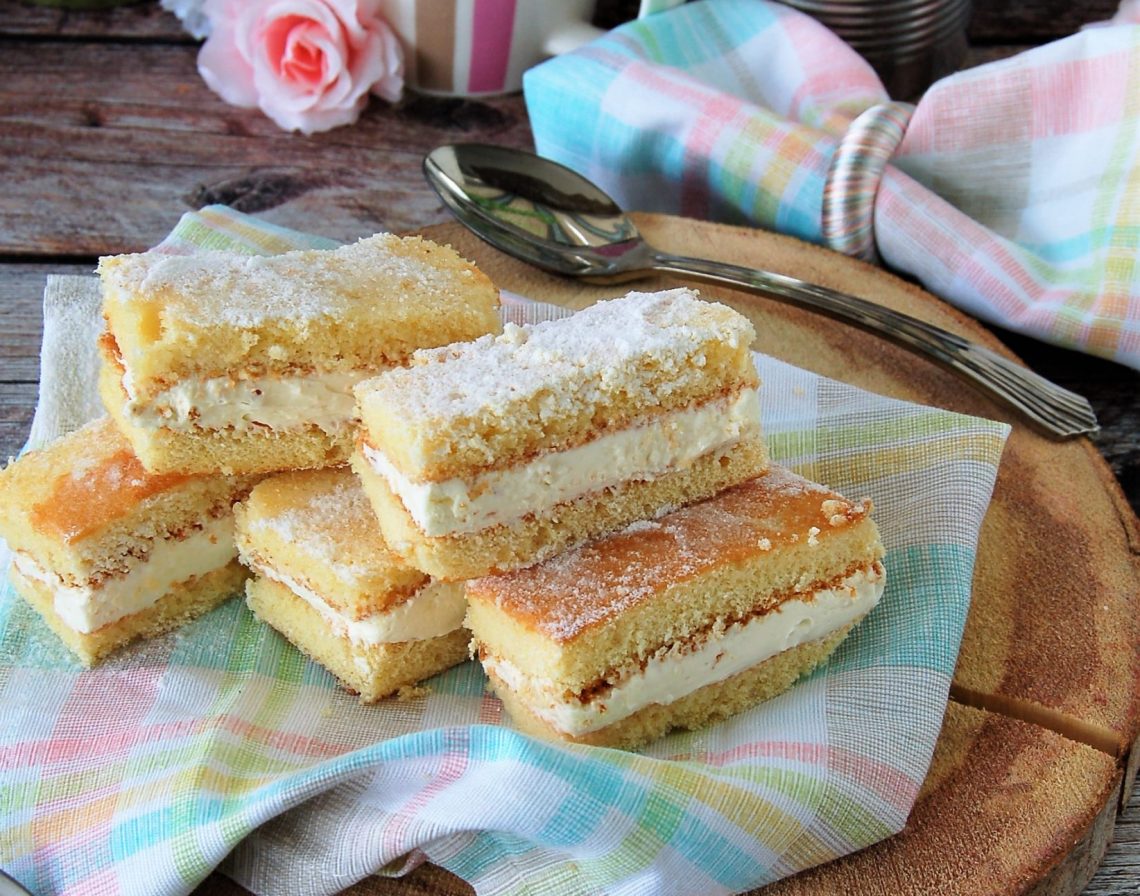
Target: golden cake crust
x,y
361,306
84,505
70,489
374,671
504,547
768,516
187,601
318,528
496,401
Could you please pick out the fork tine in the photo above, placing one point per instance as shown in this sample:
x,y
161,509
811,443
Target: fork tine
x,y
1053,408
1057,405
1057,409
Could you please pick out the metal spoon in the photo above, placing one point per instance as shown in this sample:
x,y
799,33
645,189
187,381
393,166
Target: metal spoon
x,y
9,886
547,214
550,216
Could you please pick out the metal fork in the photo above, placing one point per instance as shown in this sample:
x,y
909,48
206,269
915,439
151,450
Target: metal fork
x,y
1052,407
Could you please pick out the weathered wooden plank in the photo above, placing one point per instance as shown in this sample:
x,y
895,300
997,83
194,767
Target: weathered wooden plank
x,y
137,21
21,319
1111,388
17,404
136,160
21,331
1120,869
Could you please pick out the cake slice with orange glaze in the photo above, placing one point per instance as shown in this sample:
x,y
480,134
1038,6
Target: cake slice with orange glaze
x,y
108,553
682,620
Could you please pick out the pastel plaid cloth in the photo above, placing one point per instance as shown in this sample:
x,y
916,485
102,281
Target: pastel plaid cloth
x,y
222,745
1014,193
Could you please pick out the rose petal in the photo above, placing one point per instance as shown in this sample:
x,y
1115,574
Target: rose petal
x,y
390,84
225,70
365,67
355,17
317,11
312,121
271,80
317,22
309,58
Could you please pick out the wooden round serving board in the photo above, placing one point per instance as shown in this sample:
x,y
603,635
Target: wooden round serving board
x,y
1036,752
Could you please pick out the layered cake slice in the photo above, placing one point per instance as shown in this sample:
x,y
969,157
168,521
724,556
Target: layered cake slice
x,y
108,553
325,579
222,361
682,620
488,455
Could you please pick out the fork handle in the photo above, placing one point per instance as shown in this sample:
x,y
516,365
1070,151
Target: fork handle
x,y
1057,410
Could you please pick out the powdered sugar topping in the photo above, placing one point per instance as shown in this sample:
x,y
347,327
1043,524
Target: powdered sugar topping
x,y
247,291
318,524
598,351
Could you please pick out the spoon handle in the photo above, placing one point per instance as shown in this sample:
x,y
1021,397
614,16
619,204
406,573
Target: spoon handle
x,y
1060,412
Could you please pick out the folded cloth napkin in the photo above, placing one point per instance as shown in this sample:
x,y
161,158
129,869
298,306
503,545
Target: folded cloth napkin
x,y
1013,189
221,743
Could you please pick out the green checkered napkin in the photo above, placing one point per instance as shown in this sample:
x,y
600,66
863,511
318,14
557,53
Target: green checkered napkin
x,y
222,745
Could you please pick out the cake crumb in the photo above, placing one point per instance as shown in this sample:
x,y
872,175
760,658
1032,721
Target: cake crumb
x,y
765,544
412,692
835,511
813,536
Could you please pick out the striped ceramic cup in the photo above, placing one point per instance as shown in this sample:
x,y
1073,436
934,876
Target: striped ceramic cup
x,y
482,47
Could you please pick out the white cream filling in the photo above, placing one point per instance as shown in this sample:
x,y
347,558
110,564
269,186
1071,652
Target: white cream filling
x,y
278,402
436,609
677,673
669,442
87,608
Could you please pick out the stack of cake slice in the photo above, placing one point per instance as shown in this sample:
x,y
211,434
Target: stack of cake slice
x,y
635,564
592,494
219,368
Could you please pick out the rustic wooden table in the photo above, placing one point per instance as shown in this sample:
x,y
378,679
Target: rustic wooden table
x,y
107,134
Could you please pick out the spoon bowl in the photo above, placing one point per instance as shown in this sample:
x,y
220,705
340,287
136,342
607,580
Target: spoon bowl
x,y
9,886
548,215
538,211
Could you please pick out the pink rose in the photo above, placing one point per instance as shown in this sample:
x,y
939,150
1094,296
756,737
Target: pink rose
x,y
307,64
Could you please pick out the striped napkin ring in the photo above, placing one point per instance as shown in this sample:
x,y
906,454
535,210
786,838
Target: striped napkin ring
x,y
854,176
